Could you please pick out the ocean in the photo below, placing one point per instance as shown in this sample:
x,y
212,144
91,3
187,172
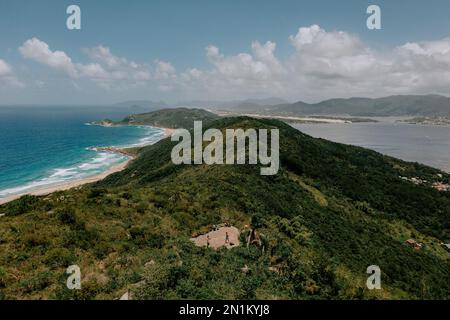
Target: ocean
x,y
425,144
46,146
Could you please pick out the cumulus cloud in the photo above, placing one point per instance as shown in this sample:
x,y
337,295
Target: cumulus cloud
x,y
5,69
111,68
7,76
327,64
245,74
105,69
261,65
39,51
164,70
322,64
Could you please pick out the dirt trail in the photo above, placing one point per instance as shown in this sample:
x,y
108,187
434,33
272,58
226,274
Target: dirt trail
x,y
217,238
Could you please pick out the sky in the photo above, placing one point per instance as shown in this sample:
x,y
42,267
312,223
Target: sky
x,y
181,50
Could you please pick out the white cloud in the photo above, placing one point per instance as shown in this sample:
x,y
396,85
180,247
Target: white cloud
x,y
424,66
113,68
332,63
315,40
105,69
230,77
7,76
326,64
243,66
5,69
322,64
93,71
104,55
164,70
39,51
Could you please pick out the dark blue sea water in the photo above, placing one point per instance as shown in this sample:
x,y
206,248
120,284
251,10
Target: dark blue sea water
x,y
43,146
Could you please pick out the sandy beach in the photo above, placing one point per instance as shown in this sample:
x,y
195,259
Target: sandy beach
x,y
77,183
70,184
168,132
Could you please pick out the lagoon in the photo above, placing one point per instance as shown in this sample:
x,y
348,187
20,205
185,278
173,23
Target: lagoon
x,y
428,145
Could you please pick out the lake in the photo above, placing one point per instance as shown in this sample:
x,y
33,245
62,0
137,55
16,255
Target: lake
x,y
429,145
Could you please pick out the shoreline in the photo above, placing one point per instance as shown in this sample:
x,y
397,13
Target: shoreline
x,y
307,119
63,186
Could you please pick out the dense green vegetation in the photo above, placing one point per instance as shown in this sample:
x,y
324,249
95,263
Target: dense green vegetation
x,y
171,118
330,212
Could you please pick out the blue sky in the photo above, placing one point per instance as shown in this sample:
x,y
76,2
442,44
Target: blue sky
x,y
177,33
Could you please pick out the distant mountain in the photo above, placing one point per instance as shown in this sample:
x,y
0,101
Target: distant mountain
x,y
406,105
143,104
234,104
255,104
265,102
197,103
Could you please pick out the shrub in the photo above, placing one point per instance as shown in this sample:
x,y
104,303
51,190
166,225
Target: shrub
x,y
22,205
2,278
36,239
95,193
101,250
38,282
89,290
126,195
59,257
155,284
67,216
141,207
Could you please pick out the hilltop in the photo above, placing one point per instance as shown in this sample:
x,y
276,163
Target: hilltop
x,y
330,212
168,118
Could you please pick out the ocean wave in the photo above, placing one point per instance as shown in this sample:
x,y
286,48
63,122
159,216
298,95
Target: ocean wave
x,y
95,165
100,162
152,136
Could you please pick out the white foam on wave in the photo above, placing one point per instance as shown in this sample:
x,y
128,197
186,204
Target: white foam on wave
x,y
96,165
153,135
99,163
61,173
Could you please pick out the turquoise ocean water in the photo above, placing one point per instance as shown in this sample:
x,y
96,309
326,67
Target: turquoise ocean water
x,y
45,146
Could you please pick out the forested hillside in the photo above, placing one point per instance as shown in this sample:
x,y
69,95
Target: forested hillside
x,y
330,212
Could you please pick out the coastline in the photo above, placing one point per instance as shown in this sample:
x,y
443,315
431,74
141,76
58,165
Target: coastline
x,y
44,191
69,184
167,132
311,119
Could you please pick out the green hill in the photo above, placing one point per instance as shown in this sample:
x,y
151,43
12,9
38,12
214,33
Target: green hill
x,y
330,212
170,118
406,105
